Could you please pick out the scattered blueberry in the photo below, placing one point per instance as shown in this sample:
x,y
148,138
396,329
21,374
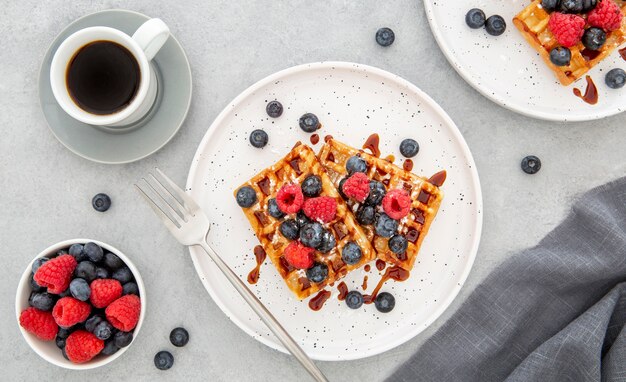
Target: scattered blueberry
x,y
123,275
317,273
385,37
377,193
274,109
273,210
550,5
123,339
302,219
102,273
354,299
385,226
130,288
80,290
86,270
33,284
92,322
163,360
109,347
179,337
258,138
290,229
616,78
42,301
572,6
101,202
385,302
312,186
351,253
356,164
531,164
409,148
560,56
366,215
309,122
475,18
594,38
76,250
246,197
103,330
38,263
328,242
495,25
311,234
112,261
93,252
60,342
398,244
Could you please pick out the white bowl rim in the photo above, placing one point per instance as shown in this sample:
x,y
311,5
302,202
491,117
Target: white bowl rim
x,y
35,343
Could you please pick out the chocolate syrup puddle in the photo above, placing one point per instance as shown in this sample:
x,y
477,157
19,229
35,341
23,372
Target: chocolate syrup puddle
x,y
372,143
317,302
394,273
591,94
259,254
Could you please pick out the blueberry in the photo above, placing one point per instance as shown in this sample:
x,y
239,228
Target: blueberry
x,y
328,242
109,348
351,253
475,18
101,202
398,244
80,290
64,332
340,188
409,148
123,339
130,288
179,337
356,164
312,186
495,25
112,261
550,5
65,293
311,234
38,263
385,302
123,275
33,284
385,37
560,56
86,270
594,38
60,342
62,252
92,322
302,219
93,252
274,109
616,78
385,226
354,299
377,193
163,360
290,229
309,122
64,354
589,5
258,138
102,273
42,301
76,250
531,164
103,330
572,6
317,273
366,215
246,197
273,210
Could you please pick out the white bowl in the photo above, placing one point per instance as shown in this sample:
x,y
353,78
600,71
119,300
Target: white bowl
x,y
48,349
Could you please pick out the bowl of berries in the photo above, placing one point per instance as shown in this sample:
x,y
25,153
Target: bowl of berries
x,y
80,303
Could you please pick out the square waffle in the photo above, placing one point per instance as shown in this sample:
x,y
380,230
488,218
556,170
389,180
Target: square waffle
x,y
425,198
294,168
532,22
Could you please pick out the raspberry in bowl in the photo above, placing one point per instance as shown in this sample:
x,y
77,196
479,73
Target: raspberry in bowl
x,y
80,303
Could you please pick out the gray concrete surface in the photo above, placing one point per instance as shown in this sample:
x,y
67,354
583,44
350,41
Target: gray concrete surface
x,y
45,190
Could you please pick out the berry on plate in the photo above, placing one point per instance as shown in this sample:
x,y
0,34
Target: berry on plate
x,y
179,337
356,164
311,234
322,208
246,197
398,244
290,198
385,36
123,313
560,56
615,79
594,38
312,186
397,204
366,215
475,18
409,148
567,29
357,187
81,346
385,226
274,109
290,229
351,253
56,274
385,302
273,210
354,299
328,242
39,323
258,138
317,273
377,193
495,25
298,255
309,122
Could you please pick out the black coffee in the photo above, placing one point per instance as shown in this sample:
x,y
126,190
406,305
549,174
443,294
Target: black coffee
x,y
103,77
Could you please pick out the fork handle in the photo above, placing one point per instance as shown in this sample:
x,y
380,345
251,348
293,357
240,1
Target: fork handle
x,y
265,315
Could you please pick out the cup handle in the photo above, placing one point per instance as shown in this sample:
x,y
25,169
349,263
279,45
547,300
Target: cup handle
x,y
151,36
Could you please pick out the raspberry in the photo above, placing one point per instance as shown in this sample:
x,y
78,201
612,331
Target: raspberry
x,y
104,292
357,187
606,15
568,29
323,208
56,274
69,311
298,255
39,323
397,204
123,313
81,346
290,198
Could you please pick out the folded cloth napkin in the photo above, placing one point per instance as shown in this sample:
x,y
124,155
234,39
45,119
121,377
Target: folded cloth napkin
x,y
555,312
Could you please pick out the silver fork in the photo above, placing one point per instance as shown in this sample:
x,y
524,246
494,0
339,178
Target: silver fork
x,y
190,226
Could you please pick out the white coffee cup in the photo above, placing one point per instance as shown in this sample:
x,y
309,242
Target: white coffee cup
x,y
143,45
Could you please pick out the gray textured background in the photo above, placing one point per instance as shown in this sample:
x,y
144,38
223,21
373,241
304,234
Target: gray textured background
x,y
46,190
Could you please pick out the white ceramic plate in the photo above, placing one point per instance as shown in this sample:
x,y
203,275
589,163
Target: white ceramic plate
x,y
508,71
352,102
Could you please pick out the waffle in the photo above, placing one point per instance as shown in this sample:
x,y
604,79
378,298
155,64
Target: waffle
x,y
294,168
426,198
532,22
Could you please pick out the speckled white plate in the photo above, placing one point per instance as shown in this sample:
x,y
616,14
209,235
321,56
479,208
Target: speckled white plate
x,y
508,71
352,101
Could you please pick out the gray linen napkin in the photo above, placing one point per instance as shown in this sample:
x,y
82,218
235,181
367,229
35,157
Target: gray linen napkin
x,y
555,312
